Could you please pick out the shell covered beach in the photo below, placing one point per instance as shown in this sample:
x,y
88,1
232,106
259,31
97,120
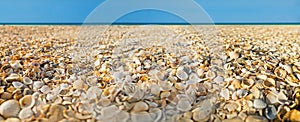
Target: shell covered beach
x,y
150,73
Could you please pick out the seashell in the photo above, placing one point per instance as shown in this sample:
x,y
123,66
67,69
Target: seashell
x,y
262,77
181,74
211,74
271,98
79,84
241,93
247,83
280,73
269,82
231,115
122,116
219,79
287,68
255,118
12,77
56,112
183,105
156,114
6,95
45,89
37,84
18,85
82,117
108,112
233,55
200,72
258,103
155,89
140,106
161,76
10,108
203,112
25,113
93,92
27,101
294,115
242,115
271,112
225,94
165,85
141,117
104,101
12,120
92,81
27,81
281,97
282,111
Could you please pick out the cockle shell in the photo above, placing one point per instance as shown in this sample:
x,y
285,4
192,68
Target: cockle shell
x,y
10,108
27,101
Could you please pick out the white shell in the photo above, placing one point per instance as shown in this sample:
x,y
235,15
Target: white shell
x,y
181,74
258,103
10,108
25,113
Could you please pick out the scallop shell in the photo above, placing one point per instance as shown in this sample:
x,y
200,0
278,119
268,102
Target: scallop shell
x,y
271,112
27,81
181,74
25,113
258,103
10,108
27,101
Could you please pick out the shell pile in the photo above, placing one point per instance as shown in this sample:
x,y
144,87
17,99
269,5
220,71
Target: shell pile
x,y
49,74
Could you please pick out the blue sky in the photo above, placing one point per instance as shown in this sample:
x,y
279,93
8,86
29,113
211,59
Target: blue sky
x,y
220,11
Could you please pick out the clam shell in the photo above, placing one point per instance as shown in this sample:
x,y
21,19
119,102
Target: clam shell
x,y
140,106
280,73
122,116
37,84
241,93
271,112
27,81
18,85
10,108
27,101
211,74
247,83
45,89
271,98
225,94
79,84
281,97
269,82
25,113
12,77
181,74
183,105
258,103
